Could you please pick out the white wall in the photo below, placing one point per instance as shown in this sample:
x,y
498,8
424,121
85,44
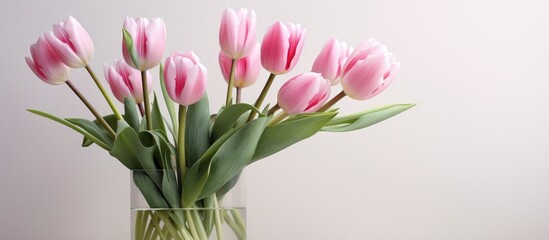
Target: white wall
x,y
469,162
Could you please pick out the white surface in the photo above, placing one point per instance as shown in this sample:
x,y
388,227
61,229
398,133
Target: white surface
x,y
469,162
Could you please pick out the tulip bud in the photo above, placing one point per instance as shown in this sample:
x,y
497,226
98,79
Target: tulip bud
x,y
281,47
185,77
246,70
46,64
149,41
125,81
237,32
71,42
368,71
306,92
330,60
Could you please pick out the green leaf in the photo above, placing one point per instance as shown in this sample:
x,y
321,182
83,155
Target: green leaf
x,y
111,121
131,114
197,130
169,103
194,181
169,127
130,151
282,135
196,176
129,46
72,126
150,191
159,134
365,119
94,129
228,117
164,153
156,116
233,156
228,186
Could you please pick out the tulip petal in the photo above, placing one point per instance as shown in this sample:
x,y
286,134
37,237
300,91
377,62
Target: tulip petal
x,y
156,42
303,93
225,65
228,32
365,77
248,38
297,39
35,69
79,38
328,61
62,49
274,48
395,66
359,53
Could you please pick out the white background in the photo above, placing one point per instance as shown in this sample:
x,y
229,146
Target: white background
x,y
470,161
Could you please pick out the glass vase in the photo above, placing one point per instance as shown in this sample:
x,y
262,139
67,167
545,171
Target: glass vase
x,y
221,216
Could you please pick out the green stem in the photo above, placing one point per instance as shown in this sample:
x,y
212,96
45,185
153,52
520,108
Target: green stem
x,y
238,219
231,84
149,232
146,97
181,164
217,216
261,97
154,234
278,118
156,222
236,229
138,225
238,94
105,95
332,101
168,224
273,109
191,223
199,225
98,116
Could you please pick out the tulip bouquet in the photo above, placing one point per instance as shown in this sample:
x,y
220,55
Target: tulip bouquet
x,y
191,158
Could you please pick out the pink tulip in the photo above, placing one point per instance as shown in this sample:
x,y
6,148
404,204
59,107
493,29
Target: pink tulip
x,y
246,70
281,47
306,92
149,41
237,32
71,42
330,60
125,81
46,64
368,71
185,77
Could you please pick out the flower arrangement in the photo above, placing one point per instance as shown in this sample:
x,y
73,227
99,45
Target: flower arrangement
x,y
191,158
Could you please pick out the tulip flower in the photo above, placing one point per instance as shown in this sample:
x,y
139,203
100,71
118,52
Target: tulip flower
x,y
71,42
125,81
148,42
330,60
306,92
46,64
185,80
237,32
246,69
280,50
281,47
368,71
185,77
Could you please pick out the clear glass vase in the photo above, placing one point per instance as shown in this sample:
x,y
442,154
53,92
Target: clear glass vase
x,y
221,216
